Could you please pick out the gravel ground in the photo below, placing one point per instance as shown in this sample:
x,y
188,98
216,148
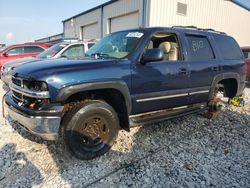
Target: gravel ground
x,y
190,151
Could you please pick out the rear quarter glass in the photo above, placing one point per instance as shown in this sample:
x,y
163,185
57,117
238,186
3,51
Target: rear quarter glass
x,y
228,47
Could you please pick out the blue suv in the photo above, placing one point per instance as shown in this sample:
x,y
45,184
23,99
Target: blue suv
x,y
128,78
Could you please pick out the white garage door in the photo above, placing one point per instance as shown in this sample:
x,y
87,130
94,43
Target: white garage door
x,y
90,31
128,21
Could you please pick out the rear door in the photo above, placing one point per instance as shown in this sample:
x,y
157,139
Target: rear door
x,y
203,66
32,51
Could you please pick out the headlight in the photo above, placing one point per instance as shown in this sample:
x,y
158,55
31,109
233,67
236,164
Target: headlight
x,y
41,86
7,69
35,85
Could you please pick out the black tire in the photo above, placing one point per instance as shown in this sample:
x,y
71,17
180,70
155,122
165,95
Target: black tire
x,y
89,129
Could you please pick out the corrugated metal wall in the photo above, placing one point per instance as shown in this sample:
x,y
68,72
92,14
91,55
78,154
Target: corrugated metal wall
x,y
220,15
118,9
68,29
73,27
124,22
217,14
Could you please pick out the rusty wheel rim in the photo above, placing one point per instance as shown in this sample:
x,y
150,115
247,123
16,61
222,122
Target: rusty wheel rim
x,y
94,133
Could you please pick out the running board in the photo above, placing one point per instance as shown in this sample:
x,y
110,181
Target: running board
x,y
162,115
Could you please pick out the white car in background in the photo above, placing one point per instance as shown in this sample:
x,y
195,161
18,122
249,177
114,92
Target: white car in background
x,y
70,50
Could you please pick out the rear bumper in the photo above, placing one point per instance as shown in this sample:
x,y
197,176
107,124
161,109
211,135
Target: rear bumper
x,y
44,124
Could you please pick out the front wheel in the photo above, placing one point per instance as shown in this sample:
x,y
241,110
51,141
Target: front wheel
x,y
89,129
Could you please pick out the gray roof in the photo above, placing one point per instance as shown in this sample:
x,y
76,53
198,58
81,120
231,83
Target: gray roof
x,y
92,9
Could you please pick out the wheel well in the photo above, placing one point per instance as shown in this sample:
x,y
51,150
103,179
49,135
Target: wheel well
x,y
230,87
112,96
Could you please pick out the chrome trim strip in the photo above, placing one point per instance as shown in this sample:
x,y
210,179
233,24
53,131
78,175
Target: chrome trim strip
x,y
17,98
171,96
157,111
161,97
28,93
199,92
180,107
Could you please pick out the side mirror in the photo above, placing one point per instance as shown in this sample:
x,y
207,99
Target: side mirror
x,y
150,55
5,54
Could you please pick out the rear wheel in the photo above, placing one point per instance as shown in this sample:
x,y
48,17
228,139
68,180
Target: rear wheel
x,y
89,129
218,102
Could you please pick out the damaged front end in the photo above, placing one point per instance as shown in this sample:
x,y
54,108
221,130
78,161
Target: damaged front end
x,y
28,103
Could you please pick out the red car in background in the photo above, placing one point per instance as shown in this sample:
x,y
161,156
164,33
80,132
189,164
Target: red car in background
x,y
21,51
246,52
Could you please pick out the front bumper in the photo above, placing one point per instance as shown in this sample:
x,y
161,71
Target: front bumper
x,y
42,123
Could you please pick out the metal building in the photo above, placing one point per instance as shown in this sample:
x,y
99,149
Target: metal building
x,y
53,38
221,15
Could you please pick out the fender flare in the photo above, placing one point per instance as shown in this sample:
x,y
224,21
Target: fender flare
x,y
121,86
221,77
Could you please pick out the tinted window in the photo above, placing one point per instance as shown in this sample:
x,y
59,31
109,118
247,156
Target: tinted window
x,y
52,51
200,48
90,45
74,52
228,47
15,51
246,54
32,49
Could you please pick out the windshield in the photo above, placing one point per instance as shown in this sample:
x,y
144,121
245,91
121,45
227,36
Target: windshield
x,y
117,45
52,51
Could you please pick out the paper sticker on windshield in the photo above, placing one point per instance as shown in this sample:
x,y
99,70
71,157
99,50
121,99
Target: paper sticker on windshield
x,y
62,45
135,34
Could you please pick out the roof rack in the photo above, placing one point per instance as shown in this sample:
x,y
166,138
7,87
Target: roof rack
x,y
187,26
197,28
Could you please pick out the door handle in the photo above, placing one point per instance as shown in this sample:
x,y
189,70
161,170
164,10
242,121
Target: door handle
x,y
183,71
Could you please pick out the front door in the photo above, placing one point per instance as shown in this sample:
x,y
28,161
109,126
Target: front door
x,y
162,84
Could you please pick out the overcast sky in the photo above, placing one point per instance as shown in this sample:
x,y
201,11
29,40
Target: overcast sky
x,y
27,20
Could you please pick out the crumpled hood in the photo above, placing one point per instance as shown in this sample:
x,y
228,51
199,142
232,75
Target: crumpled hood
x,y
42,69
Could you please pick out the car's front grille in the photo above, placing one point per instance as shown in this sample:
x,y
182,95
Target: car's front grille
x,y
26,93
17,81
18,96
